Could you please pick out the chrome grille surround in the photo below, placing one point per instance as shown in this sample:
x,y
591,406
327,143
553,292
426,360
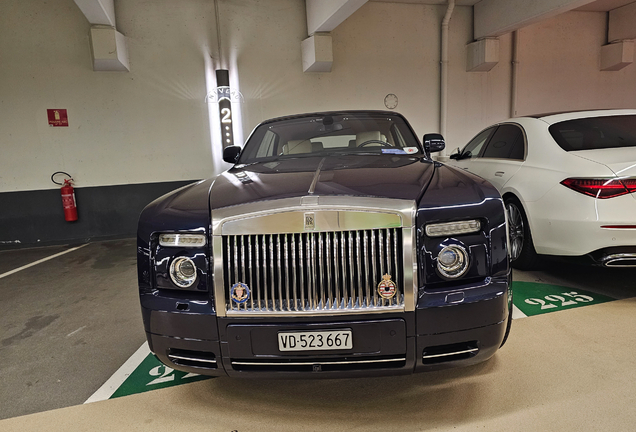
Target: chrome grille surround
x,y
333,268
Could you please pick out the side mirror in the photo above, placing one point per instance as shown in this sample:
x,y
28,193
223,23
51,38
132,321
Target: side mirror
x,y
456,154
231,154
433,143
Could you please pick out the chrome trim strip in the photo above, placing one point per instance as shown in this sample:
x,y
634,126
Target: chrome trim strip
x,y
293,245
330,303
382,270
217,277
195,359
367,278
400,288
302,273
351,311
609,260
240,363
321,265
263,265
359,269
351,289
250,270
243,269
224,219
409,268
337,261
279,270
375,270
286,254
468,351
312,271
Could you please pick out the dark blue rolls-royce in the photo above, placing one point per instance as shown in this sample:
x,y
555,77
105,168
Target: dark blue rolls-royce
x,y
334,247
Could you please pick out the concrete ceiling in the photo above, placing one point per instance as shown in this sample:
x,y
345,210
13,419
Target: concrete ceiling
x,y
604,5
597,6
431,2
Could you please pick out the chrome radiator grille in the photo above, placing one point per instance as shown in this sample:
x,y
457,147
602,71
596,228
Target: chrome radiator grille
x,y
314,272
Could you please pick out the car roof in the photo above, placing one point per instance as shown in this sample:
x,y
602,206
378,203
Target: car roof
x,y
557,117
333,113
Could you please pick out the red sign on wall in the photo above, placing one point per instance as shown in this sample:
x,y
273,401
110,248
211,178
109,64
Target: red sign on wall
x,y
57,117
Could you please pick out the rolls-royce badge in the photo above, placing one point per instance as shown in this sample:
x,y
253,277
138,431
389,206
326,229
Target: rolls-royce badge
x,y
310,221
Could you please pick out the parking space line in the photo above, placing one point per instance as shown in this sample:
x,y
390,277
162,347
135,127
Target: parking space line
x,y
40,261
516,313
118,378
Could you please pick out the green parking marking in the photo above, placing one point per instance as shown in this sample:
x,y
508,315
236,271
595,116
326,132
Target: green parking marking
x,y
537,298
151,374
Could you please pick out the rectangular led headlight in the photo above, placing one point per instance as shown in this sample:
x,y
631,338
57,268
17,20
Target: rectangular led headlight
x,y
452,228
183,240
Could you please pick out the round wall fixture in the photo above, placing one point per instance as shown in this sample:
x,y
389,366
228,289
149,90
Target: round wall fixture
x,y
390,101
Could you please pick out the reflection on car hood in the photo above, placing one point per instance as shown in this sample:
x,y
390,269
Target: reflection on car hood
x,y
398,177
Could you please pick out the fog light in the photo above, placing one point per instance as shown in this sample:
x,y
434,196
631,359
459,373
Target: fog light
x,y
452,261
183,272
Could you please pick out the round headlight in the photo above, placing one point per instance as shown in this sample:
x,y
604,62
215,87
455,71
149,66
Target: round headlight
x,y
183,272
452,261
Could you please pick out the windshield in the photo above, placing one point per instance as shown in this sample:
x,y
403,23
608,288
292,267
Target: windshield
x,y
328,134
595,133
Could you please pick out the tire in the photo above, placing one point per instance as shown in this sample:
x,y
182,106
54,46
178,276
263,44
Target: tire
x,y
522,253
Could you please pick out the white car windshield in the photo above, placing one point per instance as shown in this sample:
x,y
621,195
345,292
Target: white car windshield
x,y
325,134
595,133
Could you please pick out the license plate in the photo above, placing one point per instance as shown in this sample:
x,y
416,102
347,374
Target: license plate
x,y
315,340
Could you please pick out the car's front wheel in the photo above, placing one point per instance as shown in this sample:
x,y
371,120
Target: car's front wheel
x,y
522,253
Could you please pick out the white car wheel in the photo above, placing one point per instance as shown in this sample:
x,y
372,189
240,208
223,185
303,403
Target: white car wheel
x,y
515,227
522,253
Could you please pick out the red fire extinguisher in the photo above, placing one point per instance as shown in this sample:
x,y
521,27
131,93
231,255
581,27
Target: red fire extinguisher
x,y
68,197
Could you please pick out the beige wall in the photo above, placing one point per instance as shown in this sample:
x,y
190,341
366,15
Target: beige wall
x,y
559,67
152,125
148,125
382,48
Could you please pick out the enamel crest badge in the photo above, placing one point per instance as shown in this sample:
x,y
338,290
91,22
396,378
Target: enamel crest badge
x,y
387,287
240,292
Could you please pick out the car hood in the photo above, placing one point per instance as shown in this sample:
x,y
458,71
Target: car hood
x,y
398,177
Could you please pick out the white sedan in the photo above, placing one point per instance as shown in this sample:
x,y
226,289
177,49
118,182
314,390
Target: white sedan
x,y
568,181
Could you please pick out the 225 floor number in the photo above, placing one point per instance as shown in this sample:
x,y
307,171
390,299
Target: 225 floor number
x,y
562,300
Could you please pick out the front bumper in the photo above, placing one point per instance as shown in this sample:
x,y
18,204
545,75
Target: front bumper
x,y
444,331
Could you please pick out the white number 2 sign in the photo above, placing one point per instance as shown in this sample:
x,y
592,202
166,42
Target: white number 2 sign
x,y
166,376
227,113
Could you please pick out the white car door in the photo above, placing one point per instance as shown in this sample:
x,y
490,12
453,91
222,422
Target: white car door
x,y
503,155
468,157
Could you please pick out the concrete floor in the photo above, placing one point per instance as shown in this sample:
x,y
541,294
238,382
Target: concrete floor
x,y
69,323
